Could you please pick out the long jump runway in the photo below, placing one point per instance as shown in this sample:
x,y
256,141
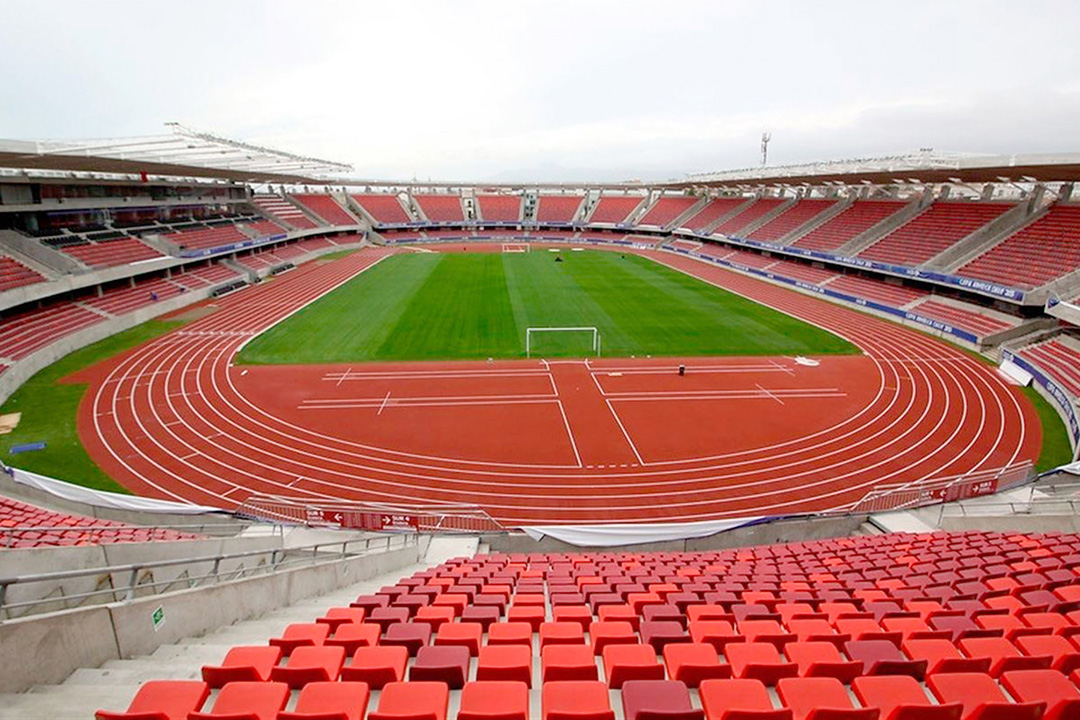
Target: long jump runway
x,y
566,441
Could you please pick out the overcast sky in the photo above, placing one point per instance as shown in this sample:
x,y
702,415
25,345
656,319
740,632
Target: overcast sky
x,y
575,90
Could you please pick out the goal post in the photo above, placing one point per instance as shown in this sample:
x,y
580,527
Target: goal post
x,y
563,340
515,247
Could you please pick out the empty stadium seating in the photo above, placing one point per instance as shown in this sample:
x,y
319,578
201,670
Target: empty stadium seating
x,y
120,300
712,212
499,208
757,210
791,219
14,274
853,628
386,209
283,211
978,323
264,228
557,208
23,332
108,253
26,526
614,208
933,231
1036,254
858,218
1059,359
441,208
887,293
666,209
325,207
204,276
205,238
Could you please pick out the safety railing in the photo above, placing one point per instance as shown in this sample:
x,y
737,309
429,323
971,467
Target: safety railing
x,y
63,535
137,578
371,516
920,493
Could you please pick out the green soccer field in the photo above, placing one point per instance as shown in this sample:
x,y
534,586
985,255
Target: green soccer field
x,y
436,306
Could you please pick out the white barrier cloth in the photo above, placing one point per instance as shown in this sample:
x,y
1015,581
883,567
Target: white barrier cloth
x,y
100,498
617,534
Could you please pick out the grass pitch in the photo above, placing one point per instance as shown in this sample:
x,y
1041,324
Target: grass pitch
x,y
436,306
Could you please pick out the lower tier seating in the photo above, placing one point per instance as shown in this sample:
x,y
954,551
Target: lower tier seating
x,y
108,253
895,295
1059,359
978,323
946,626
27,526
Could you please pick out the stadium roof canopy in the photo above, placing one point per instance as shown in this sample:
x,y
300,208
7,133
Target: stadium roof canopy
x,y
182,154
922,167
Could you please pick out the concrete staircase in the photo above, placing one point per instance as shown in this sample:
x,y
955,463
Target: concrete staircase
x,y
112,685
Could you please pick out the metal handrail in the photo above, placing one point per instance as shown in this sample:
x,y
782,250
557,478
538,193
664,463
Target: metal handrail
x,y
278,558
235,529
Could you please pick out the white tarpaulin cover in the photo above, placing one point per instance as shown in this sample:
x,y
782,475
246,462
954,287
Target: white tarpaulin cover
x,y
632,533
100,498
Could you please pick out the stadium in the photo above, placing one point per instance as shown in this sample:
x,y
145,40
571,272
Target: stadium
x,y
284,437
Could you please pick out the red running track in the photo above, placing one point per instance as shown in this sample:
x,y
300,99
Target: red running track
x,y
561,442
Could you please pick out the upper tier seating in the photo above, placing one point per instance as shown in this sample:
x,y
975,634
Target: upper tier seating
x,y
614,208
712,212
978,323
856,219
557,208
1060,360
1034,255
887,293
932,231
66,529
794,217
862,628
283,211
205,238
24,332
14,274
666,209
500,208
107,253
385,209
327,208
264,228
759,209
441,208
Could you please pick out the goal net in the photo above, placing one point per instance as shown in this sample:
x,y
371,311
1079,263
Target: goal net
x,y
515,247
562,342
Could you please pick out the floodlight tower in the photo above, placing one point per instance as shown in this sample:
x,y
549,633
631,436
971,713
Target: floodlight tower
x,y
765,138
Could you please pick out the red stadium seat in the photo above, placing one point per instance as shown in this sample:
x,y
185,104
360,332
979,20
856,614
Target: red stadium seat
x,y
820,698
881,657
567,662
412,701
758,661
693,662
448,664
494,701
561,633
162,700
822,659
1047,686
631,662
901,697
981,697
658,700
377,665
330,700
310,664
739,699
575,700
616,632
499,663
301,635
354,635
250,663
465,635
248,700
